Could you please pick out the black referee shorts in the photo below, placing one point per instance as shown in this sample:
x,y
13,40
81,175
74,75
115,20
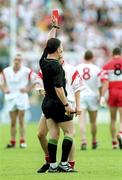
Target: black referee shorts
x,y
54,109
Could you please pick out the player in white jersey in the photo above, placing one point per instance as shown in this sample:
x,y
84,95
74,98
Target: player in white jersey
x,y
73,87
89,97
17,81
73,81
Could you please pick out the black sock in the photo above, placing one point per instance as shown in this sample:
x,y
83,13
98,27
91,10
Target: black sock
x,y
66,147
52,149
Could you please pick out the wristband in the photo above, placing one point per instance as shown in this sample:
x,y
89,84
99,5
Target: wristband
x,y
54,26
66,105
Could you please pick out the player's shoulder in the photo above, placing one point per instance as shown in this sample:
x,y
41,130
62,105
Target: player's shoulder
x,y
109,64
7,69
26,69
68,67
85,65
55,66
80,66
96,67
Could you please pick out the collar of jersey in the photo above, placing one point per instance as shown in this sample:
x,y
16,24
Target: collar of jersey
x,y
50,60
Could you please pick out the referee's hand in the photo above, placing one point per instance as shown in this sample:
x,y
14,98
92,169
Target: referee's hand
x,y
54,21
69,110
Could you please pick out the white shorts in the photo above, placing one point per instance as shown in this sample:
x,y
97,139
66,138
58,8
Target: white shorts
x,y
90,103
18,103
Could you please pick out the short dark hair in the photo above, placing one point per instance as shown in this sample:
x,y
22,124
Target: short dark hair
x,y
52,45
116,51
88,55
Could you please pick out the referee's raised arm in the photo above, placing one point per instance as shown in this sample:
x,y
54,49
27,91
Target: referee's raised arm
x,y
51,34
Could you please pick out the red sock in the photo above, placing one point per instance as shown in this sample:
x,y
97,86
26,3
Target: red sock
x,y
72,164
13,142
114,142
94,142
22,141
47,158
83,141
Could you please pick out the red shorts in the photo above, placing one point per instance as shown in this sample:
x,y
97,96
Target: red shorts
x,y
115,97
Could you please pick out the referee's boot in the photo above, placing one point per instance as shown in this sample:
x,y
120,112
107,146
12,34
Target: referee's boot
x,y
44,168
66,168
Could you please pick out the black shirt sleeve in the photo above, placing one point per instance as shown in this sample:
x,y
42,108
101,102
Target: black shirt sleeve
x,y
58,75
44,55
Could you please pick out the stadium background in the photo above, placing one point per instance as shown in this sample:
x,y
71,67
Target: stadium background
x,y
85,24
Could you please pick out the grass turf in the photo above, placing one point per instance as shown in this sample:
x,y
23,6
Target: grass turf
x,y
101,164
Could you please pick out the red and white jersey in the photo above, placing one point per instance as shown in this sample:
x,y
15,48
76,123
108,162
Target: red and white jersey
x,y
39,81
90,76
18,80
112,71
73,81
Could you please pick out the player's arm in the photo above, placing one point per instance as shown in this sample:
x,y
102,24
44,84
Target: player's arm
x,y
102,90
28,88
51,34
77,85
31,81
61,95
4,89
3,85
77,100
54,27
1,82
58,86
39,84
103,79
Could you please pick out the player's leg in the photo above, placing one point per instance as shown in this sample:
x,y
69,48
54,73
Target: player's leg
x,y
93,118
113,114
93,105
82,124
52,143
68,130
21,114
42,136
13,117
119,135
71,158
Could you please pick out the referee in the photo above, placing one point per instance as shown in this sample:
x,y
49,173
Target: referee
x,y
55,104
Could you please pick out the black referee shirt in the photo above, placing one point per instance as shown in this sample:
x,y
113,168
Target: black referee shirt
x,y
53,75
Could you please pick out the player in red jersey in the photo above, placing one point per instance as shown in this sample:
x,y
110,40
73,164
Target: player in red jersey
x,y
112,80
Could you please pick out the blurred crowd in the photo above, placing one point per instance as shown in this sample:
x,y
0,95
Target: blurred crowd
x,y
85,24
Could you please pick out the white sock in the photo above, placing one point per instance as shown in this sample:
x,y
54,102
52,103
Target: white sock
x,y
53,165
64,163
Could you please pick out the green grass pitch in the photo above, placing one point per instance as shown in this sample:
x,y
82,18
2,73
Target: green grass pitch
x,y
22,164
